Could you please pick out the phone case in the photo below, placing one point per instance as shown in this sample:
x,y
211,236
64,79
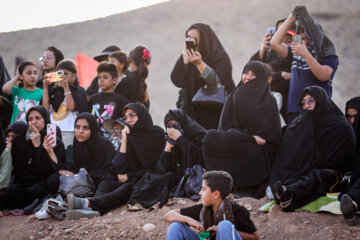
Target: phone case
x,y
54,76
51,132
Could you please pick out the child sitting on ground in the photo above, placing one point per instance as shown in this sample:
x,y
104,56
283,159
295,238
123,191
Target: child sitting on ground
x,y
218,214
106,104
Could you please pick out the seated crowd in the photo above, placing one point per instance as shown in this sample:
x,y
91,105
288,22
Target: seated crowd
x,y
277,134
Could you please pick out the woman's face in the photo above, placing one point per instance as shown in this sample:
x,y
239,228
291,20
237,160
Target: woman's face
x,y
130,117
351,114
194,34
82,130
35,121
247,76
48,61
308,102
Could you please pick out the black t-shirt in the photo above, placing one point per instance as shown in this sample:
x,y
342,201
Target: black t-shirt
x,y
242,217
106,106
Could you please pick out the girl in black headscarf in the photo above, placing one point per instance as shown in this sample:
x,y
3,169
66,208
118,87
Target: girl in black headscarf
x,y
183,145
209,64
35,163
352,112
248,135
92,151
315,152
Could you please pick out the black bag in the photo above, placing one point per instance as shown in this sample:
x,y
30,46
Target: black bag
x,y
81,184
193,183
210,96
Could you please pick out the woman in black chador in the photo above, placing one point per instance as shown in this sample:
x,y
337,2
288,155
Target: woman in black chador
x,y
316,150
206,63
36,163
248,135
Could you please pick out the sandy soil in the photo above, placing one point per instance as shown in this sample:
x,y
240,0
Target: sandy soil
x,y
240,25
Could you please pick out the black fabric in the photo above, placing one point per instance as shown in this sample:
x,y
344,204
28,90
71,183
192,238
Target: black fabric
x,y
130,87
93,88
318,139
2,139
4,75
242,217
355,103
278,84
96,153
6,111
187,150
187,76
249,110
56,96
145,142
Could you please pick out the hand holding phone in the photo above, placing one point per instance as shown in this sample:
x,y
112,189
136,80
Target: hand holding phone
x,y
270,30
190,44
51,133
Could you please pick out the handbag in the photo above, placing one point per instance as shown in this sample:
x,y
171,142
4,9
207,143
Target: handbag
x,y
193,182
81,184
210,96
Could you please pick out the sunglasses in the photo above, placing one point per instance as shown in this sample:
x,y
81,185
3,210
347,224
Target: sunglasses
x,y
118,130
309,102
130,115
41,59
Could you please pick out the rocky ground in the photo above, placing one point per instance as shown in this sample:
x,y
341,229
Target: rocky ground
x,y
121,224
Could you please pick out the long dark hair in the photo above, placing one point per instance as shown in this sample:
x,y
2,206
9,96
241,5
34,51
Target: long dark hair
x,y
57,53
142,57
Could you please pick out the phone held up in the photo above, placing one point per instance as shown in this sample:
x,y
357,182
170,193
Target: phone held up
x,y
54,76
271,31
190,44
51,133
297,39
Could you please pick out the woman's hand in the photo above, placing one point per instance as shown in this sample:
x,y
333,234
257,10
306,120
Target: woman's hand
x,y
122,177
48,144
194,57
299,49
66,173
286,75
265,45
168,147
46,82
35,138
259,140
124,133
173,133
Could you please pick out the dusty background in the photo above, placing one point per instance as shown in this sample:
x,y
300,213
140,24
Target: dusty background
x,y
240,25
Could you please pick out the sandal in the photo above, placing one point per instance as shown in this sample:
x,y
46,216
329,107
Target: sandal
x,y
56,212
135,207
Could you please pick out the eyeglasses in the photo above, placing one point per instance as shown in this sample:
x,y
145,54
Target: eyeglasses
x,y
130,115
41,59
308,102
118,130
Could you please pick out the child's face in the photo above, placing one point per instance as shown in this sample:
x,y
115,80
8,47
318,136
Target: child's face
x,y
69,76
119,65
29,75
207,196
9,136
106,82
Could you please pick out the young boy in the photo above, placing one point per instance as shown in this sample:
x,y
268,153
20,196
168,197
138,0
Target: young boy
x,y
218,213
106,104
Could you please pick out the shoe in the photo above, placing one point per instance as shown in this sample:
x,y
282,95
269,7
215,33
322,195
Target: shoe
x,y
38,207
75,202
30,209
278,190
286,199
42,214
81,213
59,213
348,210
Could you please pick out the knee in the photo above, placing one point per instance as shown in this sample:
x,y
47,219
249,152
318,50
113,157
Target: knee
x,y
223,225
175,226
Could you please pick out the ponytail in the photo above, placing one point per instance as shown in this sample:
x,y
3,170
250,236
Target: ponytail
x,y
141,57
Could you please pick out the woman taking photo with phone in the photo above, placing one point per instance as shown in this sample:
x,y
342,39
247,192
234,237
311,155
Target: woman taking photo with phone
x,y
206,63
36,162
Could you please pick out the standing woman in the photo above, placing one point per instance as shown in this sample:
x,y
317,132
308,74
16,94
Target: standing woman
x,y
49,60
207,63
133,86
36,163
249,133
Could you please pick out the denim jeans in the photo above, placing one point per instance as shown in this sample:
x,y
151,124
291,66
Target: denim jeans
x,y
181,231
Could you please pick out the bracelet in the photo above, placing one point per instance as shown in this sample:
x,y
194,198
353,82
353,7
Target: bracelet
x,y
67,93
283,74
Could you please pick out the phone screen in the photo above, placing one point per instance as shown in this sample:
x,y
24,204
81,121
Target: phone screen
x,y
190,45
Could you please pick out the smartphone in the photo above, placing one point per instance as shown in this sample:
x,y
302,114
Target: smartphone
x,y
270,30
190,44
51,132
297,38
54,76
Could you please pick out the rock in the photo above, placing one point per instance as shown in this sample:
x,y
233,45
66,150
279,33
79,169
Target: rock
x,y
148,227
123,233
67,231
50,228
248,206
31,237
40,234
164,210
57,235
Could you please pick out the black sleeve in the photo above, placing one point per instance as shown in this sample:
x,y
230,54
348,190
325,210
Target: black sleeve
x,y
164,163
256,57
93,88
290,55
242,219
191,150
178,73
193,211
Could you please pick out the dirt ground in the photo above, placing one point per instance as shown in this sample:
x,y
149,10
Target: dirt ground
x,y
121,224
240,25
